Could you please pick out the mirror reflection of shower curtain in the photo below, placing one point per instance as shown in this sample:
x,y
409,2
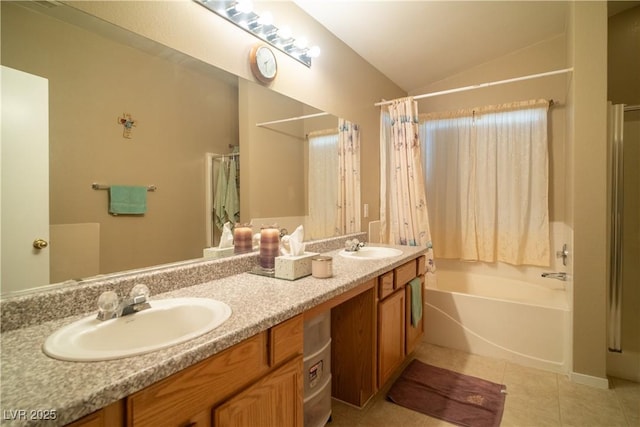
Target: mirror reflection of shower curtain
x,y
322,183
616,159
348,201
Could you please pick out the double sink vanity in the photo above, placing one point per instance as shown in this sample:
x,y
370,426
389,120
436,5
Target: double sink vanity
x,y
174,364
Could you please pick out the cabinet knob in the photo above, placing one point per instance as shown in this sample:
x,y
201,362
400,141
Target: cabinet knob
x,y
40,244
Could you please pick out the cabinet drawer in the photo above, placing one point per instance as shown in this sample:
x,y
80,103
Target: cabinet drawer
x,y
286,340
385,285
109,416
404,274
422,265
177,398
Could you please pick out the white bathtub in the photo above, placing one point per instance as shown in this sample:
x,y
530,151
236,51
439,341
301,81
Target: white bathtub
x,y
523,322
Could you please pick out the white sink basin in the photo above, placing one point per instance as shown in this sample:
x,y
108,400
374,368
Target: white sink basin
x,y
168,322
372,252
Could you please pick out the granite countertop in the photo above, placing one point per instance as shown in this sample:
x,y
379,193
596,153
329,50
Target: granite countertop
x,y
35,383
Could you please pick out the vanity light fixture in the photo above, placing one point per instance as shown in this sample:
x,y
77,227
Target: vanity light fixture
x,y
241,13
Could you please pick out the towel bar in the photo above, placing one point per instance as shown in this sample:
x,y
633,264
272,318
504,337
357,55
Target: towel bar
x,y
97,186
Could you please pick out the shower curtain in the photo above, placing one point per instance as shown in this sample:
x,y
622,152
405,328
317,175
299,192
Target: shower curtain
x,y
348,214
487,182
322,183
404,219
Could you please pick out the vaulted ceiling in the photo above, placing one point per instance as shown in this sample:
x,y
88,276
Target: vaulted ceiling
x,y
416,43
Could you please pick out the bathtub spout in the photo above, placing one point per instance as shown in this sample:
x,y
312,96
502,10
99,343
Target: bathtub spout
x,y
560,276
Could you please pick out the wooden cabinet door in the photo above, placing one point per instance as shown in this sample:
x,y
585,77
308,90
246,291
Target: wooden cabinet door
x,y
391,335
274,401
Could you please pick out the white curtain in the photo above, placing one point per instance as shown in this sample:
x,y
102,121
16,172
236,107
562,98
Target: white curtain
x,y
323,184
404,219
348,214
487,182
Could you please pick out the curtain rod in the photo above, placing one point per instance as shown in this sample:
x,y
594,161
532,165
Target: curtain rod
x,y
631,107
481,85
291,119
222,156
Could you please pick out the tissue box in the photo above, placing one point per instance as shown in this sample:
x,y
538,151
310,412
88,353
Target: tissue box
x,y
217,252
294,267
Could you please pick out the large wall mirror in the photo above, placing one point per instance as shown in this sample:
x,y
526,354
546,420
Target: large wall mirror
x,y
184,118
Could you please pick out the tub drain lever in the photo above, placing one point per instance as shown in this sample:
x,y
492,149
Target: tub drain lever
x,y
560,276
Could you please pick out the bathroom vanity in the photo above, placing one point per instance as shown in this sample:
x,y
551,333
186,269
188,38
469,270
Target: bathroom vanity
x,y
238,373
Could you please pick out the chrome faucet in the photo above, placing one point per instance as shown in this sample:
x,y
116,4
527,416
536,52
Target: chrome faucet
x,y
110,306
560,276
353,245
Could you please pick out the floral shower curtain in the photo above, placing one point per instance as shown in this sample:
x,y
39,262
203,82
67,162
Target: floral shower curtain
x,y
322,184
404,219
487,182
348,215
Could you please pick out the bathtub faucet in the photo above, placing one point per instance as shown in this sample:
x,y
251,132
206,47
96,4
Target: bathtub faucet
x,y
560,276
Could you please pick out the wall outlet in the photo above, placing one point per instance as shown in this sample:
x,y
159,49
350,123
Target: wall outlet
x,y
365,209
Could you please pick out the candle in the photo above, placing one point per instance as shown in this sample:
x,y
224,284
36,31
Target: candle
x,y
322,266
242,238
269,247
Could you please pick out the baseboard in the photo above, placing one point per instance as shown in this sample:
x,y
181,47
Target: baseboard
x,y
589,380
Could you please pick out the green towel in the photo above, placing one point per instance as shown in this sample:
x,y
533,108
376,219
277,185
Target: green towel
x,y
127,200
416,301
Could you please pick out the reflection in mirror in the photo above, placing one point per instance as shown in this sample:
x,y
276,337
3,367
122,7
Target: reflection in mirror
x,y
327,176
180,110
124,110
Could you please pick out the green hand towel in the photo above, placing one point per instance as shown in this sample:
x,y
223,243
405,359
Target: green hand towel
x,y
127,200
416,301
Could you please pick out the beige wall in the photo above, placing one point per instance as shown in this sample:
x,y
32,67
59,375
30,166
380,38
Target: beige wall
x,y
181,113
624,87
587,105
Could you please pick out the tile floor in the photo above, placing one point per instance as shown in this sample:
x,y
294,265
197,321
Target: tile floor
x,y
535,398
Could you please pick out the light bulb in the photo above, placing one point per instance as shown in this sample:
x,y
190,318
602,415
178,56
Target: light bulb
x,y
314,52
284,33
301,43
266,19
244,6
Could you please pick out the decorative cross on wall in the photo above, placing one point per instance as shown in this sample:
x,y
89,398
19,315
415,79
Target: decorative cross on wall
x,y
128,123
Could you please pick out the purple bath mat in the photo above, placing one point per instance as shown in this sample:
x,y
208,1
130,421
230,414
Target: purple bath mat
x,y
450,396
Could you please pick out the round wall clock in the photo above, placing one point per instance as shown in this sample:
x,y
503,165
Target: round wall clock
x,y
263,63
